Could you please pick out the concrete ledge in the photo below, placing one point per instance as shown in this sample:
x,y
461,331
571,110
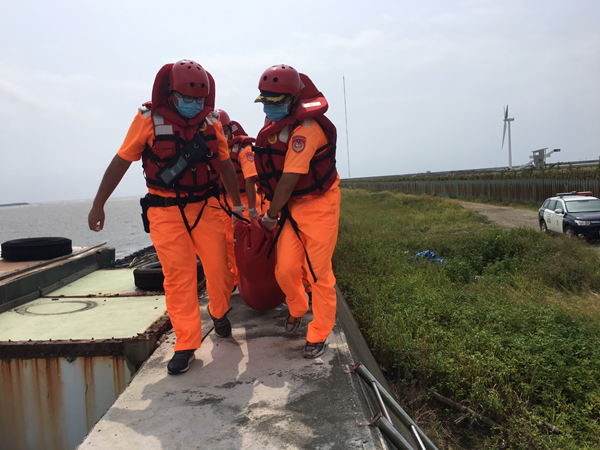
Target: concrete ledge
x,y
252,390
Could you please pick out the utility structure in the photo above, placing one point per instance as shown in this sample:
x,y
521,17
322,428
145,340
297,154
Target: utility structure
x,y
538,158
507,122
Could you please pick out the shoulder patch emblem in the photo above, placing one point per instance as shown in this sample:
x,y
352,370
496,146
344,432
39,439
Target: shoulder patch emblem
x,y
250,156
298,143
272,139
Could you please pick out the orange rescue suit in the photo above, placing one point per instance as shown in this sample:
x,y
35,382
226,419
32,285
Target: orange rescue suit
x,y
305,144
176,245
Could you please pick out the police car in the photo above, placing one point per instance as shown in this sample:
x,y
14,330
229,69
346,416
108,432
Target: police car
x,y
571,213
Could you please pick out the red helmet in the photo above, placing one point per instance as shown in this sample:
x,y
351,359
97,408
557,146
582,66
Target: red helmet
x,y
224,117
281,79
189,78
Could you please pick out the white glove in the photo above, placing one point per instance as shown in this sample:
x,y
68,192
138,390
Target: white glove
x,y
253,213
237,211
268,222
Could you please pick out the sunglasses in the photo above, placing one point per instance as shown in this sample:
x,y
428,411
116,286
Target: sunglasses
x,y
188,98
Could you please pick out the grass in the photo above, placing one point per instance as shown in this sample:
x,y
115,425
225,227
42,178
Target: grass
x,y
508,324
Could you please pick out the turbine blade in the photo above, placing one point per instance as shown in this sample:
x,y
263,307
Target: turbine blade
x,y
503,134
506,112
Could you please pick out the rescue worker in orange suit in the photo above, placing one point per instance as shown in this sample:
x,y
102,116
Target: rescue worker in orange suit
x,y
295,161
184,153
242,157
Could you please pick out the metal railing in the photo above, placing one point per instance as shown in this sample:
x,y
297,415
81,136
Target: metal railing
x,y
383,419
526,191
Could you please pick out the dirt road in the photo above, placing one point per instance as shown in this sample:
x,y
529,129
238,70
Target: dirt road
x,y
513,217
506,216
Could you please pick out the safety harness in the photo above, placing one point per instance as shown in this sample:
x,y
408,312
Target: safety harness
x,y
195,178
270,150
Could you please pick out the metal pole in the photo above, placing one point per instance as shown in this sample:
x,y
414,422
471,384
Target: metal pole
x,y
392,434
380,400
416,433
346,115
387,398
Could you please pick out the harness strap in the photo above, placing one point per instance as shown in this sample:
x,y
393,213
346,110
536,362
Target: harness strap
x,y
171,137
159,201
268,169
286,215
185,221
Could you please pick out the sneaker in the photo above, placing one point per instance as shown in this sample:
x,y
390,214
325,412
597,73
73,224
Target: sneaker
x,y
180,362
292,324
222,326
313,350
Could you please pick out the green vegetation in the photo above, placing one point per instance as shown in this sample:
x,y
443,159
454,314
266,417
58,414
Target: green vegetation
x,y
507,325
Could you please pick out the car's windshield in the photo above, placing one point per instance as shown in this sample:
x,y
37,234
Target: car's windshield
x,y
579,206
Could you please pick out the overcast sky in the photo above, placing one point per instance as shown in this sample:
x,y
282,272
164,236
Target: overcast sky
x,y
426,82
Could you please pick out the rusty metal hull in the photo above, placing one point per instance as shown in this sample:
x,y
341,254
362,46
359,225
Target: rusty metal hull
x,y
72,335
51,403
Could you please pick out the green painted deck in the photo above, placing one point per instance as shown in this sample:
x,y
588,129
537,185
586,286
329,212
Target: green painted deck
x,y
71,313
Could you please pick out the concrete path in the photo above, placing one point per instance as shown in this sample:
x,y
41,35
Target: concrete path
x,y
253,390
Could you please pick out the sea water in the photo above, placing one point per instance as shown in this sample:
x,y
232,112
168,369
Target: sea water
x,y
123,228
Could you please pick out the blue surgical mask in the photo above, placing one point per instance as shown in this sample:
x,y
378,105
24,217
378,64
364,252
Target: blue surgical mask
x,y
276,112
189,110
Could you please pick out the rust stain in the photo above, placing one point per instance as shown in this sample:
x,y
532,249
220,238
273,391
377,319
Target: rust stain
x,y
34,399
47,389
31,412
118,375
12,413
90,391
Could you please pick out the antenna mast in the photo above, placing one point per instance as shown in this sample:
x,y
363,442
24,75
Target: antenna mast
x,y
346,115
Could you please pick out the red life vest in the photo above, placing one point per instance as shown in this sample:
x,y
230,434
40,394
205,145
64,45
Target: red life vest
x,y
200,179
172,132
273,140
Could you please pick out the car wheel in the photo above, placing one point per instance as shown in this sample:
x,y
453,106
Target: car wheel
x,y
569,232
35,249
150,277
543,226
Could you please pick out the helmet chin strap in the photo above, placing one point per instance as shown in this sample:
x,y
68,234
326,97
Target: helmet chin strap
x,y
171,101
293,105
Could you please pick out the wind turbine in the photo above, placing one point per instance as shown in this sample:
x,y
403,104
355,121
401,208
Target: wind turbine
x,y
507,120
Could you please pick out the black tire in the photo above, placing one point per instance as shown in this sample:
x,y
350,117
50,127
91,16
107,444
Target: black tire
x,y
543,226
569,232
35,249
150,277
